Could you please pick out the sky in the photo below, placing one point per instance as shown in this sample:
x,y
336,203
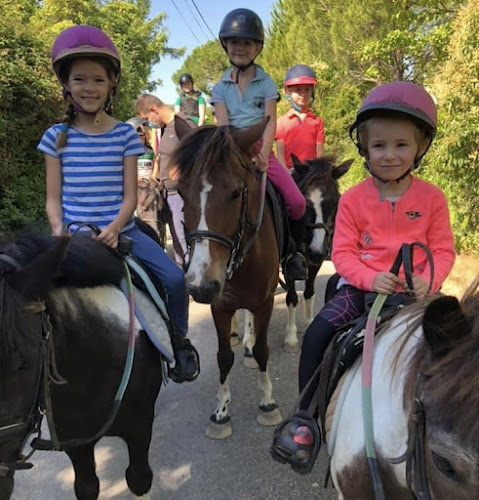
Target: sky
x,y
188,29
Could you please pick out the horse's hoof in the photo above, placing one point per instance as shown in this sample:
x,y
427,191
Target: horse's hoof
x,y
269,418
234,340
250,362
219,431
291,346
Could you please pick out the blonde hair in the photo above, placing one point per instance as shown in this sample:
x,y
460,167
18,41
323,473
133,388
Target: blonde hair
x,y
420,134
145,102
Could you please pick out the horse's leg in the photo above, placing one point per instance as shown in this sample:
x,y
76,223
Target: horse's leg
x,y
138,474
87,485
291,339
235,329
268,413
249,340
309,294
219,426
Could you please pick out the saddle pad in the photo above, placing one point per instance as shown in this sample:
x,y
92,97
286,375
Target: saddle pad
x,y
280,218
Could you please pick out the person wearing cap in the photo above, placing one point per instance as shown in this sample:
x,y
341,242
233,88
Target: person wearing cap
x,y
244,96
150,198
91,171
190,101
299,131
394,128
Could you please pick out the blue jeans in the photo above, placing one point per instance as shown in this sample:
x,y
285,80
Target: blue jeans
x,y
168,274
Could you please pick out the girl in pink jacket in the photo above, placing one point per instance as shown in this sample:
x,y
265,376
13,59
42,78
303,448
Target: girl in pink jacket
x,y
394,128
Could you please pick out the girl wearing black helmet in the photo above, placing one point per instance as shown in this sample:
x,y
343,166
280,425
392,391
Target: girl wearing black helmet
x,y
190,101
91,170
394,128
244,96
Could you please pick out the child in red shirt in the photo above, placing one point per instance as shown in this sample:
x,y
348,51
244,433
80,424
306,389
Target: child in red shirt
x,y
394,128
299,131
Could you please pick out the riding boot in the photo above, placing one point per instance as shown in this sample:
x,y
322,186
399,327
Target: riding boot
x,y
295,267
187,362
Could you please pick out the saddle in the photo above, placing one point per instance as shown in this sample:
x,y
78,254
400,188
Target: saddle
x,y
347,346
280,218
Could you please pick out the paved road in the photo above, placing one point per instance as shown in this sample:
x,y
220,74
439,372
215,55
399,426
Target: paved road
x,y
187,465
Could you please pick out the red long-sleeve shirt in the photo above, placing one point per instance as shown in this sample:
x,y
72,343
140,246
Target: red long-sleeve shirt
x,y
368,232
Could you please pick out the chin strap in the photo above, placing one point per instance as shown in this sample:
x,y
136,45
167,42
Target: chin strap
x,y
241,68
384,182
106,107
295,106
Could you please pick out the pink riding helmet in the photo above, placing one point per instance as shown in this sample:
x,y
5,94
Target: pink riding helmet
x,y
83,40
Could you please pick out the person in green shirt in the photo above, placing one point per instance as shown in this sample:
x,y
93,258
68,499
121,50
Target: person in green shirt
x,y
190,102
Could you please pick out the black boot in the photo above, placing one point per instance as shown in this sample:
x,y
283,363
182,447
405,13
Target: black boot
x,y
187,363
295,267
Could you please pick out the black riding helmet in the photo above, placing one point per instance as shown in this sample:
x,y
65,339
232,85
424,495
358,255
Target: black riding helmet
x,y
241,23
185,77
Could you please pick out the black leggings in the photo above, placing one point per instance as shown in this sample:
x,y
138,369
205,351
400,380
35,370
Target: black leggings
x,y
344,306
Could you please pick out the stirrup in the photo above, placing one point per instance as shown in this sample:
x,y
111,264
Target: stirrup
x,y
288,448
185,354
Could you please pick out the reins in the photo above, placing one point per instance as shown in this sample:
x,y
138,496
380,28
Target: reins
x,y
405,258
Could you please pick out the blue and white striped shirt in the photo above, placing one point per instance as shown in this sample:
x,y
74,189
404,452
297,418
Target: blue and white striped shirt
x,y
92,171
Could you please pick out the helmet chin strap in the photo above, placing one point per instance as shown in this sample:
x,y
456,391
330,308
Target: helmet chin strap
x,y
241,68
79,109
295,106
384,182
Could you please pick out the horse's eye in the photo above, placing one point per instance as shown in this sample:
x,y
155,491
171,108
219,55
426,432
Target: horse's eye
x,y
445,467
236,194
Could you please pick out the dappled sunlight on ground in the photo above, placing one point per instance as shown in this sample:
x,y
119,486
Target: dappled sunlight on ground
x,y
172,479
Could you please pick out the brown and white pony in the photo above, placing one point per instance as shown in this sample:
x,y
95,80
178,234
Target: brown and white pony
x,y
425,396
233,263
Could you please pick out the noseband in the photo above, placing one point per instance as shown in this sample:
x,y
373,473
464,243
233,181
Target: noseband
x,y
328,228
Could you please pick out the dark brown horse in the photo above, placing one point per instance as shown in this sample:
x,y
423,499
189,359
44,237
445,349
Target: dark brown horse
x,y
233,263
64,335
318,181
425,395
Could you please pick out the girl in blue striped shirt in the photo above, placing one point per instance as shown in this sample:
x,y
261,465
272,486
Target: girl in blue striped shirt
x,y
91,168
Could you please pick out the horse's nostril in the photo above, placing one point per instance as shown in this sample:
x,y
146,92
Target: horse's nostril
x,y
205,293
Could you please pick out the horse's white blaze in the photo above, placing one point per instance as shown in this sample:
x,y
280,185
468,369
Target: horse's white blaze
x,y
389,417
223,398
317,243
201,258
265,385
249,337
291,328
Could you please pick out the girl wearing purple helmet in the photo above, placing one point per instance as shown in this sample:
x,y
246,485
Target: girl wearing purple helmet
x,y
394,128
91,169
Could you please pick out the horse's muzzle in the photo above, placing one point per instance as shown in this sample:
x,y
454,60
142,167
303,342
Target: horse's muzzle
x,y
205,293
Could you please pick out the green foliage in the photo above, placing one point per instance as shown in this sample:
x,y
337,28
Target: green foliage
x,y
30,96
206,64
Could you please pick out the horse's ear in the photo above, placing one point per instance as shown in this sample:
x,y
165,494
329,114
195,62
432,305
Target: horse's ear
x,y
36,278
245,138
444,324
299,167
340,170
182,128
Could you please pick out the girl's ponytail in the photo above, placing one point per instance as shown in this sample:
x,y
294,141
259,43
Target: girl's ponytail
x,y
68,118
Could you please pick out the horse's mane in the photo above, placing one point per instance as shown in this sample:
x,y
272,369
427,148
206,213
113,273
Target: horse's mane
x,y
319,172
455,374
87,263
201,151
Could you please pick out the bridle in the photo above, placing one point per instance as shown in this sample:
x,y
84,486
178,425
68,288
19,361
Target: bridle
x,y
46,373
237,253
327,226
414,456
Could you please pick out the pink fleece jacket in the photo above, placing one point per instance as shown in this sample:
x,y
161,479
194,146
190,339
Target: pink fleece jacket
x,y
368,232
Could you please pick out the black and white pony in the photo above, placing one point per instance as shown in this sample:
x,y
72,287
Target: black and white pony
x,y
64,339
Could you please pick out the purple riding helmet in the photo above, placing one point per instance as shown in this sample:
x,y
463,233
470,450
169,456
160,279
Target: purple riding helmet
x,y
401,99
84,40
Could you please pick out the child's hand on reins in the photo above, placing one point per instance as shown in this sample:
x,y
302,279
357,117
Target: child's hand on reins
x,y
261,161
109,236
420,287
386,283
